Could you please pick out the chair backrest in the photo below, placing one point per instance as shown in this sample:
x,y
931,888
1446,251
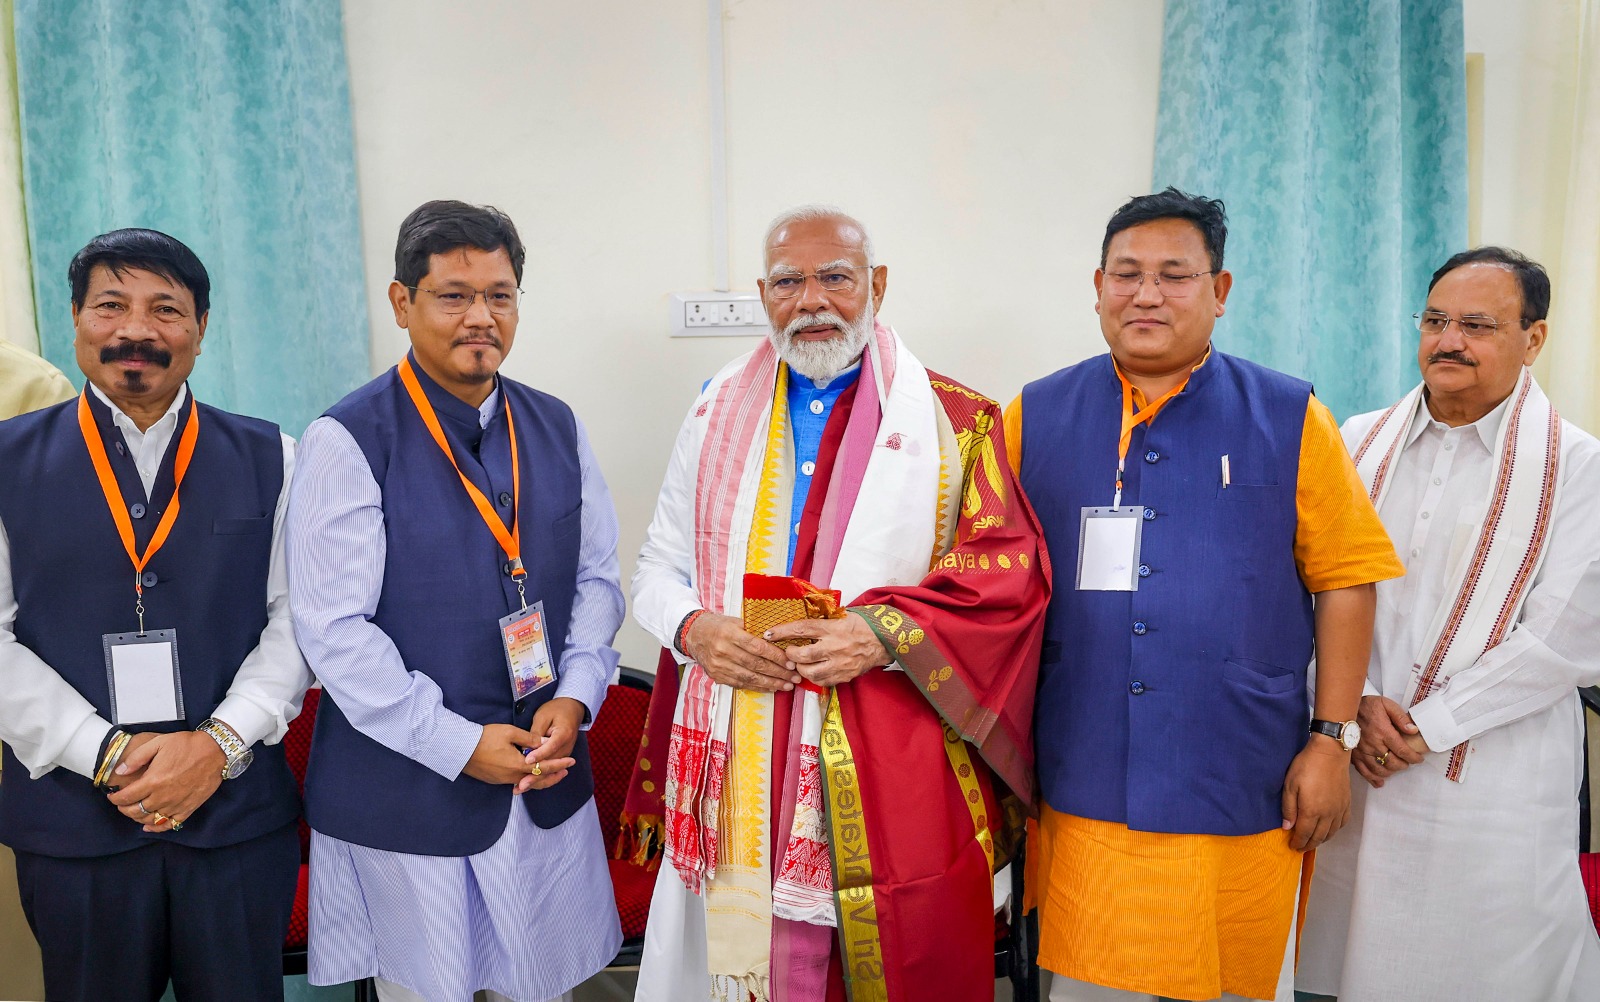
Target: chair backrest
x,y
297,749
613,747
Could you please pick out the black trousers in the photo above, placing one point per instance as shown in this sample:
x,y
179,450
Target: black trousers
x,y
118,928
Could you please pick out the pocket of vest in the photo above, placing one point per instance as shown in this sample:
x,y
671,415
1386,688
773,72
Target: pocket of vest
x,y
1259,675
567,524
1244,493
241,526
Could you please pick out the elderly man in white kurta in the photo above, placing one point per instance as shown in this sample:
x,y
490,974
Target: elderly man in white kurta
x,y
1457,876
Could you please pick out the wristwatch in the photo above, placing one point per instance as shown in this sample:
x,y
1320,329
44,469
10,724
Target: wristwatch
x,y
239,756
1348,734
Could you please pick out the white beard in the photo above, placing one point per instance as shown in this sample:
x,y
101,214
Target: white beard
x,y
820,361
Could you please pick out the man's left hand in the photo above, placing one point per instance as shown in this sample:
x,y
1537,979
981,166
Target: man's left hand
x,y
556,723
181,772
842,650
1316,793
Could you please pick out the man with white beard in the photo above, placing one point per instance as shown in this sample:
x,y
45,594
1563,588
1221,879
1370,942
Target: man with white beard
x,y
840,779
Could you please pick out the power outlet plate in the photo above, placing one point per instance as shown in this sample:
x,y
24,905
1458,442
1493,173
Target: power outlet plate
x,y
714,314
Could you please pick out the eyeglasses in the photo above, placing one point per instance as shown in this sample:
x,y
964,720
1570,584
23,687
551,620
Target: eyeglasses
x,y
453,299
1128,283
835,281
1434,323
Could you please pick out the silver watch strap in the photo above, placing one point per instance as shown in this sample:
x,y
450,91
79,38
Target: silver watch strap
x,y
233,749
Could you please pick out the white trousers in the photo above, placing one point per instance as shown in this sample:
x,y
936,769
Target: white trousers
x,y
1071,990
388,991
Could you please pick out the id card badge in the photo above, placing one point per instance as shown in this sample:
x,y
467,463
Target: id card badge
x,y
527,650
1108,548
142,669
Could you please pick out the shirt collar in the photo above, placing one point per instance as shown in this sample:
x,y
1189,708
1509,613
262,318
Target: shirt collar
x,y
1487,427
490,405
125,424
844,378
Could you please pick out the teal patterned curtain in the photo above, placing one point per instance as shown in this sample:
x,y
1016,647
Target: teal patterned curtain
x,y
1336,131
225,123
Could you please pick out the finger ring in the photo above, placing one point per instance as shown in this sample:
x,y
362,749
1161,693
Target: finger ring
x,y
160,819
536,770
143,809
1381,759
176,824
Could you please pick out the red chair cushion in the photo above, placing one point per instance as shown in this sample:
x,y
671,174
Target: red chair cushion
x,y
613,746
632,884
297,749
1589,866
295,939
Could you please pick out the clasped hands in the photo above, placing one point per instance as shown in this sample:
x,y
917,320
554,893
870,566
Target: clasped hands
x,y
166,777
1390,740
507,755
841,649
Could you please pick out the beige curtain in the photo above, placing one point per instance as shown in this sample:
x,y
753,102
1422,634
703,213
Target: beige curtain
x,y
16,277
1572,376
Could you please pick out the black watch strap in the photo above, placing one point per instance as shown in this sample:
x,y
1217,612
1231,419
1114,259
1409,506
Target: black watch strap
x,y
1333,729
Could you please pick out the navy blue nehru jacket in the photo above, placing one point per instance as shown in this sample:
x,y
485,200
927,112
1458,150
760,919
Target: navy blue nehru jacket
x,y
74,583
1177,707
444,589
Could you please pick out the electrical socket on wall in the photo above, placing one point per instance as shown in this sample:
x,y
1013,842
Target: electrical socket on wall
x,y
712,314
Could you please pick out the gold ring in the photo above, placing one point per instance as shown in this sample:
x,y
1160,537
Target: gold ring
x,y
536,770
160,819
176,824
1381,759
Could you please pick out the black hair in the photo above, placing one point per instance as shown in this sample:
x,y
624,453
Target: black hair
x,y
1207,214
446,225
1531,277
142,250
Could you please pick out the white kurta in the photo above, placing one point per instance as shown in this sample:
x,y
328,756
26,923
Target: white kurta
x,y
1457,892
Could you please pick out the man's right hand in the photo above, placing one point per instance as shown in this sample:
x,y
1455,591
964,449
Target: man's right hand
x,y
498,757
733,657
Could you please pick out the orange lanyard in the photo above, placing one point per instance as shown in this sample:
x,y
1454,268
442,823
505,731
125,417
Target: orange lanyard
x,y
119,510
510,540
1132,419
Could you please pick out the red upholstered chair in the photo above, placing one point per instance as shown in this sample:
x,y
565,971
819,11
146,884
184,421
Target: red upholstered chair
x,y
613,747
297,749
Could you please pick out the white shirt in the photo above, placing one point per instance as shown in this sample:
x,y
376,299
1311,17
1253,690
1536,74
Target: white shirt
x,y
663,581
49,724
1441,487
1442,891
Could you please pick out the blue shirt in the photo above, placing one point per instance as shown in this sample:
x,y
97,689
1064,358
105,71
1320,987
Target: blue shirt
x,y
809,408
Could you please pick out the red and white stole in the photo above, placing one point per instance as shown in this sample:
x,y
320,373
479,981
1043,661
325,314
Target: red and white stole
x,y
1485,597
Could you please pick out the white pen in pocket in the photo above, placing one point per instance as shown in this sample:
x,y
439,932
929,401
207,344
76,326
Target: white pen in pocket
x,y
1225,470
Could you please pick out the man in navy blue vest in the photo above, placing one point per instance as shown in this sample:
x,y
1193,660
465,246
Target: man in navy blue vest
x,y
147,651
1193,503
444,519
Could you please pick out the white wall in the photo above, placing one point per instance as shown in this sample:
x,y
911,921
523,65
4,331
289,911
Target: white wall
x,y
1530,70
1527,172
984,144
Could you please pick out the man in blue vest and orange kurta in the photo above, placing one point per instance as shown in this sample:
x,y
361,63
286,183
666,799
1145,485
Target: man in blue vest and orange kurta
x,y
1208,530
453,565
147,650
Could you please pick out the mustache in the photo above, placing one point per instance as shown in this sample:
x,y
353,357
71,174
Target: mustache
x,y
489,336
140,351
800,323
1450,356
